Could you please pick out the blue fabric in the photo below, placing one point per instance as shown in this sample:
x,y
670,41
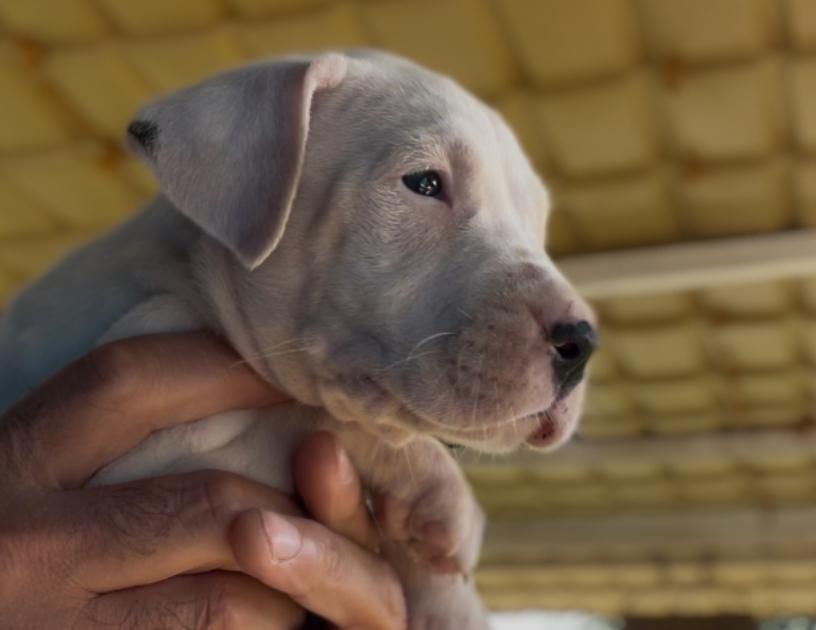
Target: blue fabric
x,y
59,317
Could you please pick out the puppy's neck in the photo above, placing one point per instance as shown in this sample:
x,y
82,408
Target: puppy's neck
x,y
227,293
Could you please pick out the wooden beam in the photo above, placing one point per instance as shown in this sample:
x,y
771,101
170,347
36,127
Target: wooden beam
x,y
690,266
739,447
682,535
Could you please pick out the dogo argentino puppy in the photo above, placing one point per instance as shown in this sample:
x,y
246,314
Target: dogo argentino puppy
x,y
368,236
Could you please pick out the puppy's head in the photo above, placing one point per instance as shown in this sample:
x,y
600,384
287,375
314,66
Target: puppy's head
x,y
390,235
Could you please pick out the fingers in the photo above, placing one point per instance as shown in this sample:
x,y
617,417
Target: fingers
x,y
148,531
216,600
110,400
331,490
323,572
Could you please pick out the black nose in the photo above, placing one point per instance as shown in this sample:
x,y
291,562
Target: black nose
x,y
573,345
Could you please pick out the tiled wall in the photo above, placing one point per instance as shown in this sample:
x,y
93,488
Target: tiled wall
x,y
653,120
730,357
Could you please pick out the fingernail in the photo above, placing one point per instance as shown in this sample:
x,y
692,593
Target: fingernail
x,y
284,538
343,468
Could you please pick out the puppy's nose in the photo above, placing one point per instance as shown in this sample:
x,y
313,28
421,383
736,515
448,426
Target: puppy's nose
x,y
573,343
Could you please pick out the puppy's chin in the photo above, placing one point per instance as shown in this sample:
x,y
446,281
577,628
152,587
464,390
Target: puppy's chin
x,y
544,431
351,385
363,401
360,401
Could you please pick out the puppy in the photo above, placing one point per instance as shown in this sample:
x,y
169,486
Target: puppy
x,y
368,236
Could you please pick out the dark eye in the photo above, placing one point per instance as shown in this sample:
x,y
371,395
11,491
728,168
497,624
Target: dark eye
x,y
426,183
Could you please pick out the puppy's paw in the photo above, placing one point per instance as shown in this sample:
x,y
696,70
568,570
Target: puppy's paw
x,y
421,499
437,517
447,617
446,602
434,601
446,532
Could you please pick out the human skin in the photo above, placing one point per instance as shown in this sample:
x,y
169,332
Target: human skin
x,y
202,550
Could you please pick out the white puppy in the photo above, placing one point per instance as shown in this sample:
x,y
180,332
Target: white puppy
x,y
369,238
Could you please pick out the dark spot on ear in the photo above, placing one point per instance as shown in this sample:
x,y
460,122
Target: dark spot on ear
x,y
145,133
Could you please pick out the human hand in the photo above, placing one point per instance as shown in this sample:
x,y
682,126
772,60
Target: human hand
x,y
182,551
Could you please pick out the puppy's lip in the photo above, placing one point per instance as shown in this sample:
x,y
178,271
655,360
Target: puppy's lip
x,y
541,430
547,432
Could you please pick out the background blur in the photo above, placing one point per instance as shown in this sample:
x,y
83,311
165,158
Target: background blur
x,y
679,140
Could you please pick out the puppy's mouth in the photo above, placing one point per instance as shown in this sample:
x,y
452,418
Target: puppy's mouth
x,y
546,432
553,424
543,429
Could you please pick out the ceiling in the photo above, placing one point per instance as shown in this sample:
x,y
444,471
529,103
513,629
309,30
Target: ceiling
x,y
677,137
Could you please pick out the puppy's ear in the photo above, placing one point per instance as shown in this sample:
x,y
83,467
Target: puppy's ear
x,y
228,152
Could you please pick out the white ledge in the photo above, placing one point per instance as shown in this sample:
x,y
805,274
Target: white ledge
x,y
697,265
679,535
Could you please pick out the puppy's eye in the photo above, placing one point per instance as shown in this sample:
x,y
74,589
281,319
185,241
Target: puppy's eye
x,y
426,183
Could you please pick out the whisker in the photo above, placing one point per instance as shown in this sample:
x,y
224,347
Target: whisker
x,y
411,356
431,338
285,343
267,351
271,355
407,359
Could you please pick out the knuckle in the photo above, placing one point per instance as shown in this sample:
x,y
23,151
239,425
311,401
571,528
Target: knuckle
x,y
224,605
211,497
215,607
109,373
224,492
327,571
335,568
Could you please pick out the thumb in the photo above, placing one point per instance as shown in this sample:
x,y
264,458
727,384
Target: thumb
x,y
325,573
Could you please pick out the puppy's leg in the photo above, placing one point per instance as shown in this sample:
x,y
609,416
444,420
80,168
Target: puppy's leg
x,y
425,506
421,498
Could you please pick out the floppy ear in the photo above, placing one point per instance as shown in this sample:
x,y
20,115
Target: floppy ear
x,y
228,152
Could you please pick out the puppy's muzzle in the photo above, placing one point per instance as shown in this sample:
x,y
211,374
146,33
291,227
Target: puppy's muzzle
x,y
573,343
